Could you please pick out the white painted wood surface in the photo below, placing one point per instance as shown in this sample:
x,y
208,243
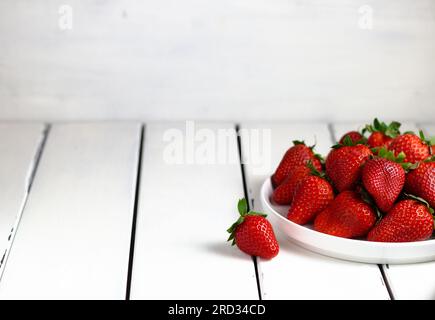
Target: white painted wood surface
x,y
19,145
429,129
414,281
74,237
221,59
184,210
73,240
297,273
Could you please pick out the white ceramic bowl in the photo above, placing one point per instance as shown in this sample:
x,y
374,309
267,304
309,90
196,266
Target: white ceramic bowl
x,y
347,249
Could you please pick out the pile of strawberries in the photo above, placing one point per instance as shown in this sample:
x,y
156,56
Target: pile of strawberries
x,y
380,187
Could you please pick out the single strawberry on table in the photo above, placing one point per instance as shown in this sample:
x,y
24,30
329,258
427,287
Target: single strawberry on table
x,y
253,233
354,136
311,196
344,164
416,148
382,134
283,194
347,216
421,181
296,156
384,178
408,221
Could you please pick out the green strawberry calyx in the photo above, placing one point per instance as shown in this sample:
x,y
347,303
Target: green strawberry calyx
x,y
317,173
391,130
399,159
319,157
313,170
316,155
299,142
428,141
347,142
244,212
302,142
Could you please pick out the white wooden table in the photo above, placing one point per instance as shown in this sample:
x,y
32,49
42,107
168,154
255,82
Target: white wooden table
x,y
107,210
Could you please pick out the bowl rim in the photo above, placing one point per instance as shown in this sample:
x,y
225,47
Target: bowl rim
x,y
265,196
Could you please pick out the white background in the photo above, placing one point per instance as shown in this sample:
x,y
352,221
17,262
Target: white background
x,y
219,59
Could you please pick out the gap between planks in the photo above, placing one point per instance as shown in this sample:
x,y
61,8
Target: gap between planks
x,y
248,200
31,177
384,276
271,286
145,286
135,211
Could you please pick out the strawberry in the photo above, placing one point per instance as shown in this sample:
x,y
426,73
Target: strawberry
x,y
409,220
347,216
298,155
311,196
344,165
421,181
354,136
378,139
283,194
384,178
415,148
381,133
253,234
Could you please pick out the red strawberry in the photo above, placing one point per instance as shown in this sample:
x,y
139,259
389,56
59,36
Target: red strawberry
x,y
311,196
253,234
347,216
381,133
378,139
354,136
283,194
415,148
409,220
298,155
421,182
384,179
344,165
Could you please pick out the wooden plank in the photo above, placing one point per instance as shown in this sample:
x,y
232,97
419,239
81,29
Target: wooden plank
x,y
413,281
19,145
297,273
73,241
224,60
184,210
